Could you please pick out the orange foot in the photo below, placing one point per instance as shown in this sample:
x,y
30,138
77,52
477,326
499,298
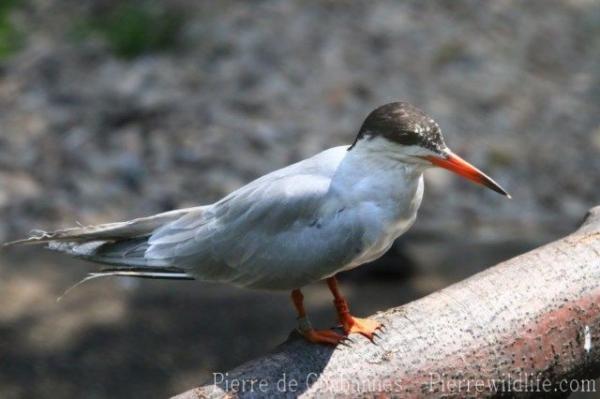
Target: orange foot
x,y
366,327
327,337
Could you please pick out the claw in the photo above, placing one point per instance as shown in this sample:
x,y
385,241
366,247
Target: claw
x,y
349,339
376,338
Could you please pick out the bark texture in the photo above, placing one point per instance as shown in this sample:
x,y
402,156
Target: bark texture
x,y
529,326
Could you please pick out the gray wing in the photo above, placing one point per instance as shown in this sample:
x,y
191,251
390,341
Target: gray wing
x,y
282,232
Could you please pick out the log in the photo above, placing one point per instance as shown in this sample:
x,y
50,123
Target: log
x,y
527,327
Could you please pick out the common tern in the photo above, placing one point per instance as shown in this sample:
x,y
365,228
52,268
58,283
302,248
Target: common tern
x,y
304,223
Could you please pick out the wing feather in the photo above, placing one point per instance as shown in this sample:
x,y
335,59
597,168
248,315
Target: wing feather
x,y
109,231
265,236
277,231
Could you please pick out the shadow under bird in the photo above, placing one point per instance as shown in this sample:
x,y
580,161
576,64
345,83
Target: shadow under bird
x,y
304,223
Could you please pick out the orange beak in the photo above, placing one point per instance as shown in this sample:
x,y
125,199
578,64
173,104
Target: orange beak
x,y
461,167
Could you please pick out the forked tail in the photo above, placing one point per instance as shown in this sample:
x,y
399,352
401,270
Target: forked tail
x,y
121,245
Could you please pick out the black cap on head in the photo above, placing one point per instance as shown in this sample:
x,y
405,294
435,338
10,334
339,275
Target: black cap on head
x,y
402,123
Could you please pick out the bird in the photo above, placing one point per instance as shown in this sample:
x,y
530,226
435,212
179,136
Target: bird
x,y
304,223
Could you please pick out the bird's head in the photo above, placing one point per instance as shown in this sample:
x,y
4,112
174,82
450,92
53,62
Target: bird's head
x,y
408,134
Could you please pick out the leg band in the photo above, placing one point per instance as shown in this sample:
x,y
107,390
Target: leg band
x,y
304,325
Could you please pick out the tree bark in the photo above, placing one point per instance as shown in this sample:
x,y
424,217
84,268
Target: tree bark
x,y
529,326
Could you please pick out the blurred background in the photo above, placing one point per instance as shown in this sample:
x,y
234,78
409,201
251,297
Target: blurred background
x,y
113,109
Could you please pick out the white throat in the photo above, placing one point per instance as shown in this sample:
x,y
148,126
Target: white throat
x,y
376,171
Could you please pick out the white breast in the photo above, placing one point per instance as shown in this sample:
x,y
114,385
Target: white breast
x,y
389,223
384,195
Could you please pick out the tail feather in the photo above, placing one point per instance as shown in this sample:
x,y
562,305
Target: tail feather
x,y
121,245
127,258
172,274
156,273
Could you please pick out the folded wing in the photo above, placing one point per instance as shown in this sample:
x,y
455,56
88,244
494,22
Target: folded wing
x,y
278,233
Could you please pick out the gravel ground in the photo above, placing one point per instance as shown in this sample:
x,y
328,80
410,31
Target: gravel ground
x,y
93,130
87,136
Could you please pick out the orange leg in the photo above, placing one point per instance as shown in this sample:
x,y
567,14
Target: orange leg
x,y
351,324
329,337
